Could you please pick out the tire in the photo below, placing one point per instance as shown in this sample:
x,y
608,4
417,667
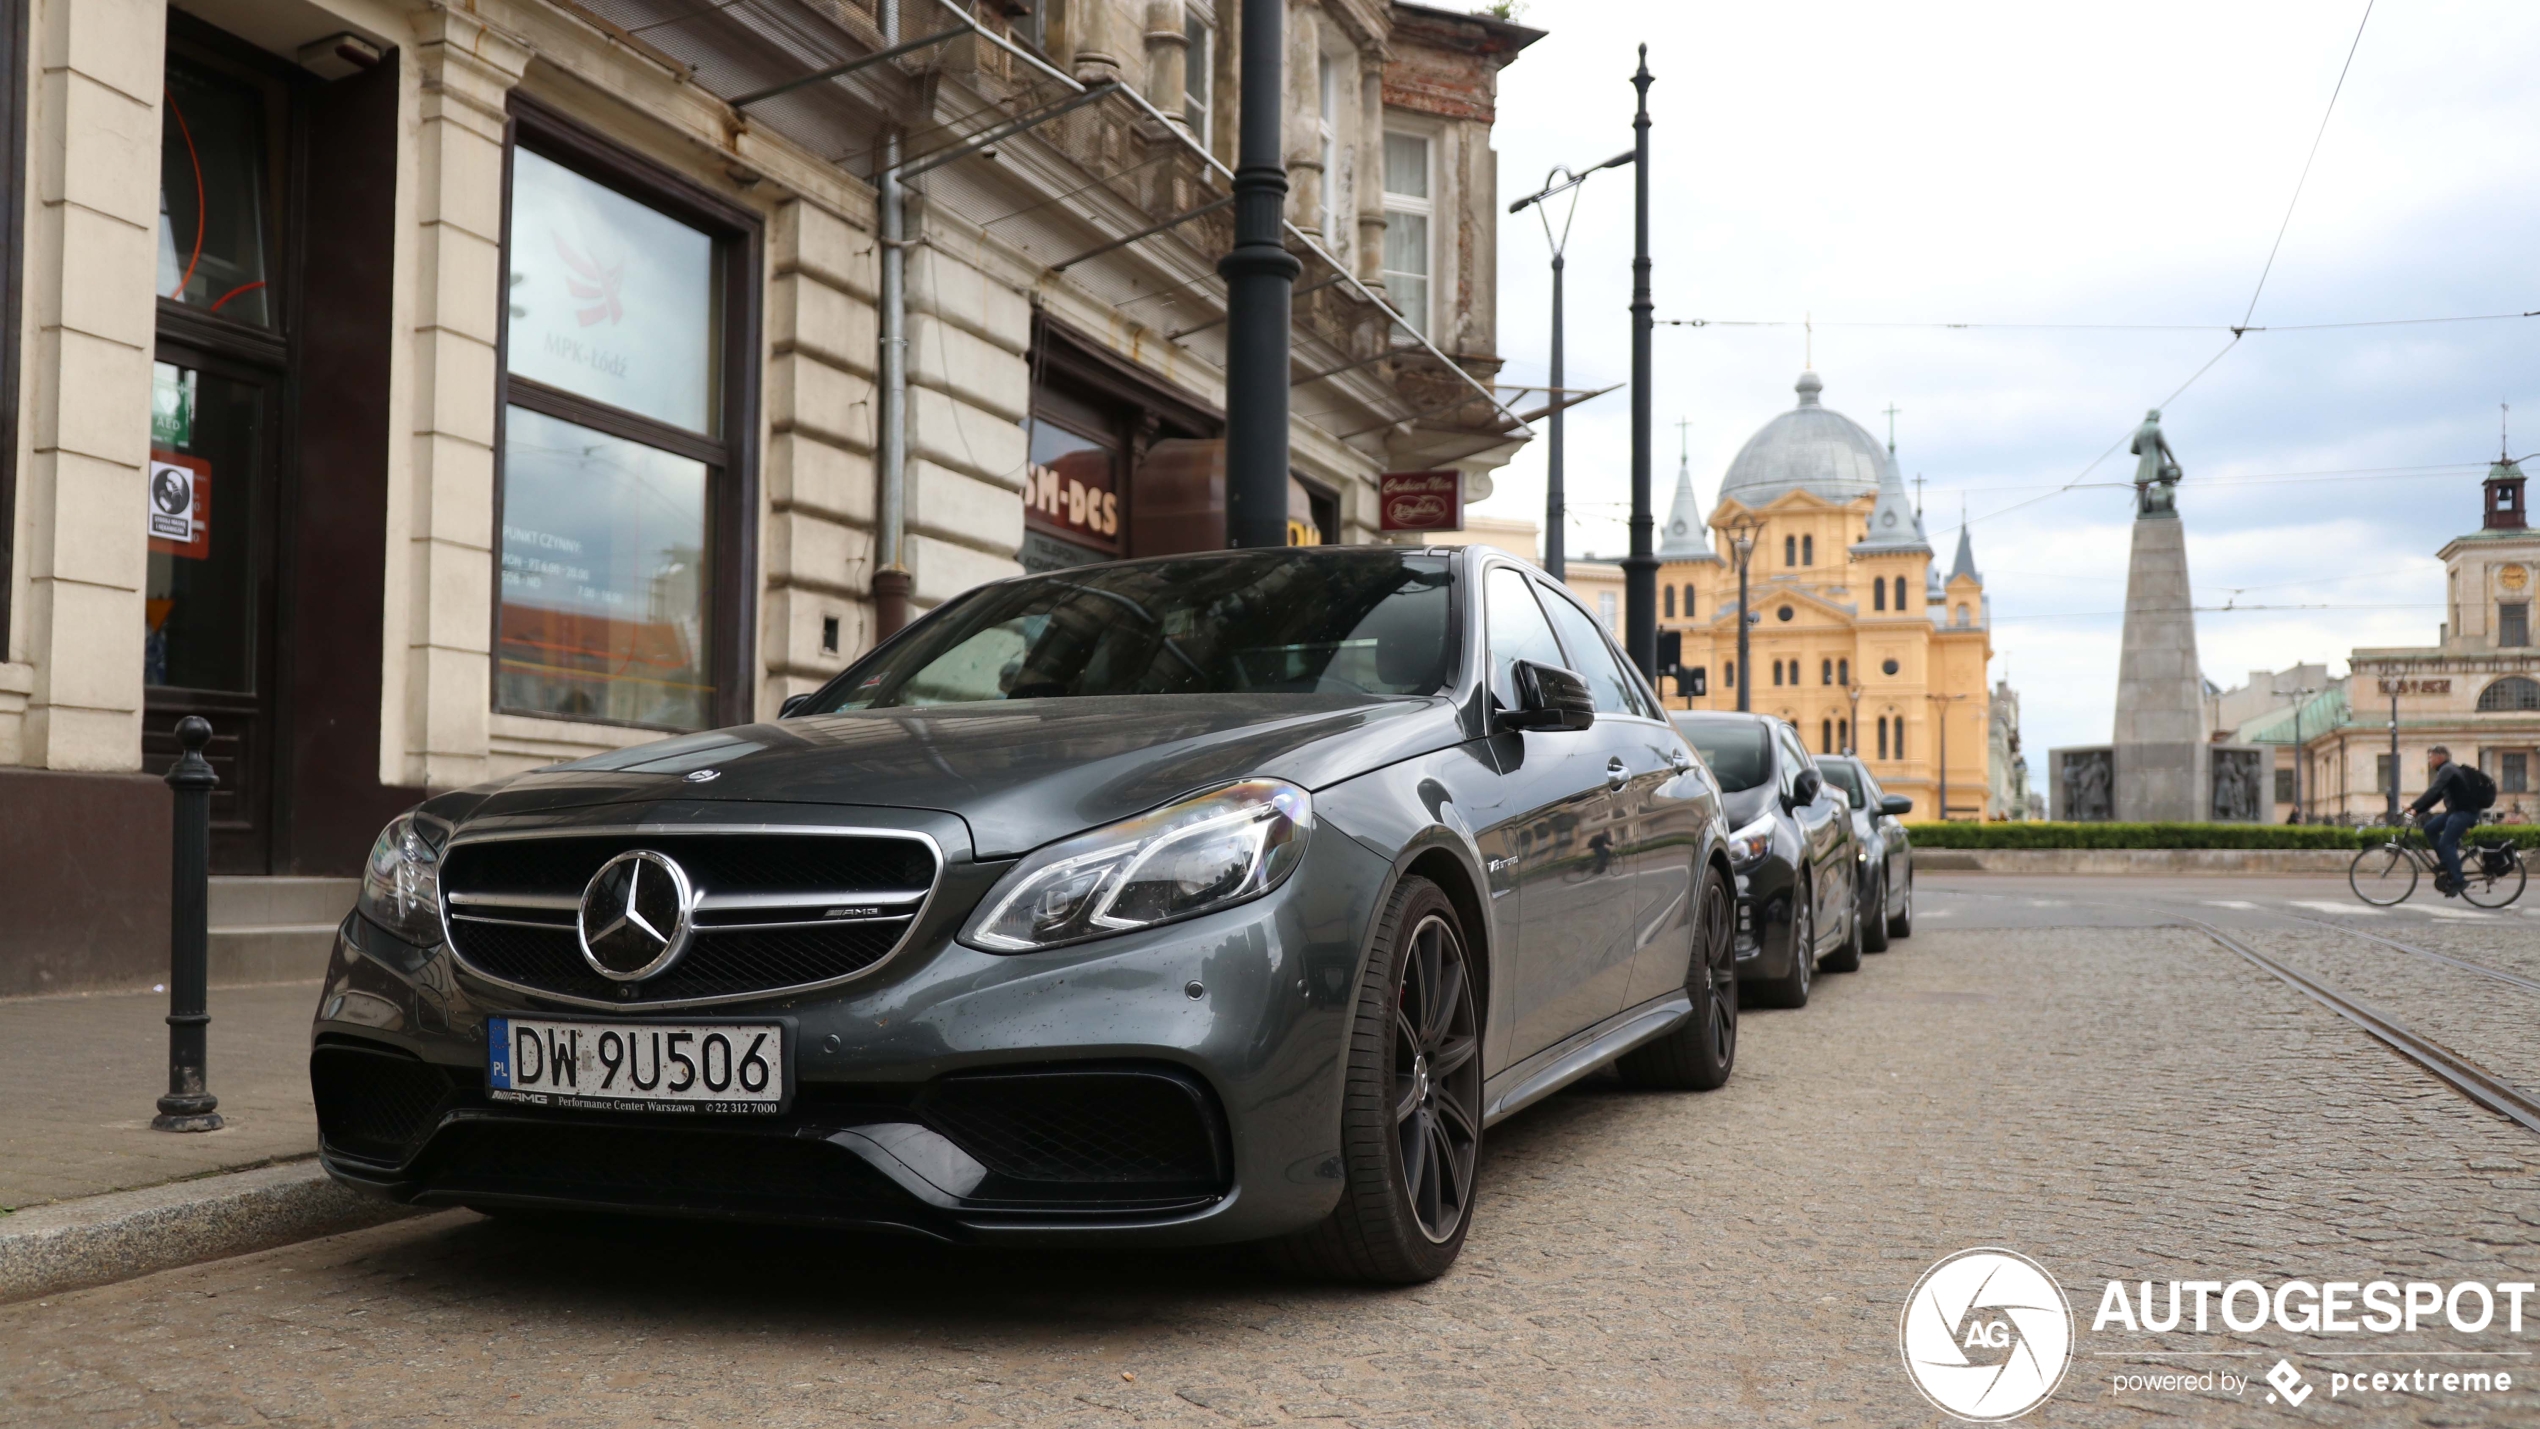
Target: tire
x,y
1874,933
1700,1053
1398,1226
1847,959
1791,988
2491,890
2382,875
1902,925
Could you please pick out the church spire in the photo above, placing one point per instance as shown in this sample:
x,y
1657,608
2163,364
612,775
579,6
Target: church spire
x,y
1896,528
1685,537
1965,565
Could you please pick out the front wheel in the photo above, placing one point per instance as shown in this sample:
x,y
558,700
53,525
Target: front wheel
x,y
2383,875
1791,988
1902,925
1411,1108
2492,890
1847,959
1702,1051
1874,931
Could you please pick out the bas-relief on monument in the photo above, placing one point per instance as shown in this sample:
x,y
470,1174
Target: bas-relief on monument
x,y
2162,766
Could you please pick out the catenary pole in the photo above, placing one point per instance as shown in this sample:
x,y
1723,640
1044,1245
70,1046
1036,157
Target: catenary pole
x,y
1640,568
1556,504
1260,275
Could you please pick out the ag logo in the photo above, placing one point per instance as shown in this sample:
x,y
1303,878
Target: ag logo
x,y
1987,1335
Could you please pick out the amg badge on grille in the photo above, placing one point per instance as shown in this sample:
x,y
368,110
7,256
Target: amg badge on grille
x,y
635,918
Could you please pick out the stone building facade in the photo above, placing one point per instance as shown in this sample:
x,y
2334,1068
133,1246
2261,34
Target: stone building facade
x,y
425,390
1861,640
2475,691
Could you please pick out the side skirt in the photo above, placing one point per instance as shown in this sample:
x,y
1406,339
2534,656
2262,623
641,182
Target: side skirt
x,y
1575,1056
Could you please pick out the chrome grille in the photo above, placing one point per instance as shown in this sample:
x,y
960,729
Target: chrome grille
x,y
775,911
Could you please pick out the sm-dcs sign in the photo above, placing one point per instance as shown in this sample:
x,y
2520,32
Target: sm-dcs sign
x,y
1420,501
2415,686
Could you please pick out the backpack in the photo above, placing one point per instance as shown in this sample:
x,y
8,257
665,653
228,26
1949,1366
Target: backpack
x,y
2479,789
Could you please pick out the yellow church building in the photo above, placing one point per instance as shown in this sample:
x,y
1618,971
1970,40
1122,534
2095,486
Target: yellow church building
x,y
1857,638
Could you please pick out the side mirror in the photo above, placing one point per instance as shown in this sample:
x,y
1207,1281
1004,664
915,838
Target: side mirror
x,y
1805,788
1896,806
1549,698
792,703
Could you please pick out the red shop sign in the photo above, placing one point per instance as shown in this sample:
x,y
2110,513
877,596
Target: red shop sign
x,y
1420,501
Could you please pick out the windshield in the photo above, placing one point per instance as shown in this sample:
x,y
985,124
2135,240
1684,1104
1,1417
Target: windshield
x,y
1734,748
1279,622
1841,774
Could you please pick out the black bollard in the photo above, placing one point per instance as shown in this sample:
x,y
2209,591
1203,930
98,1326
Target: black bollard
x,y
187,1106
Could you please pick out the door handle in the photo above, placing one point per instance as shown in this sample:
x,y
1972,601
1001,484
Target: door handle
x,y
1617,774
1679,761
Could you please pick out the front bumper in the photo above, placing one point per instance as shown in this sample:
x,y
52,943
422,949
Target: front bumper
x,y
1767,899
1177,1086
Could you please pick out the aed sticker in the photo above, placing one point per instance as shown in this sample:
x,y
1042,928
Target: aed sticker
x,y
180,506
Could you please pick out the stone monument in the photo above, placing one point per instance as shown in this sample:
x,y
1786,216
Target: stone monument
x,y
2162,765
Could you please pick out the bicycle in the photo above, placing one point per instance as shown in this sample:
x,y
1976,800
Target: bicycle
x,y
2384,874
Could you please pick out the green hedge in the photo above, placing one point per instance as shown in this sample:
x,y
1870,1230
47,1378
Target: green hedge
x,y
2046,835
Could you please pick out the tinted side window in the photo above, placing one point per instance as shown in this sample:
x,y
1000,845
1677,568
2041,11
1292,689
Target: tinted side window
x,y
1794,755
1593,658
1517,632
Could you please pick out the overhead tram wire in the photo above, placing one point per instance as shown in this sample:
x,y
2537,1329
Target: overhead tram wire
x,y
2307,161
2102,327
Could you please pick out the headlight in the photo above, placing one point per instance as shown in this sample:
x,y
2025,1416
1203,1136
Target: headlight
x,y
1748,845
401,884
1193,857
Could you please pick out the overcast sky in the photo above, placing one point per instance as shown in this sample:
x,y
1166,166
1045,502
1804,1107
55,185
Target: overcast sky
x,y
2025,163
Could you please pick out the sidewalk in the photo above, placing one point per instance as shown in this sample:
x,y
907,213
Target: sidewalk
x,y
84,1075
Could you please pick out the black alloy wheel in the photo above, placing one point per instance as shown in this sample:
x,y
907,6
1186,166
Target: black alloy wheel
x,y
1411,1113
1791,988
1701,1052
1847,959
1874,932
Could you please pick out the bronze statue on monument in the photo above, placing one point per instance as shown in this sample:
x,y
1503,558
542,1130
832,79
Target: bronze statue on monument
x,y
2156,470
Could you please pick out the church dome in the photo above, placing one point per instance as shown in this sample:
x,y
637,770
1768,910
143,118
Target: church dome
x,y
1812,448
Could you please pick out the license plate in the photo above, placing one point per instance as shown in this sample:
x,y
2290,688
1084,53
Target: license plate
x,y
725,1067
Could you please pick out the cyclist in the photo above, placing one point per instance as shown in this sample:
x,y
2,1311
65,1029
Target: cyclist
x,y
2448,784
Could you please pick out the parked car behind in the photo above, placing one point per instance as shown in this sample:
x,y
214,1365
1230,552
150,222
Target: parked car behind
x,y
1203,899
1792,845
1886,851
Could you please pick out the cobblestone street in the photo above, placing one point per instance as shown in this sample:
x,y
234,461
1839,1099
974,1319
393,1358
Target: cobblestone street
x,y
2119,1102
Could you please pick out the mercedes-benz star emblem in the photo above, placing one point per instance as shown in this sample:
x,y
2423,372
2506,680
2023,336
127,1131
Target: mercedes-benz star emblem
x,y
635,916
704,776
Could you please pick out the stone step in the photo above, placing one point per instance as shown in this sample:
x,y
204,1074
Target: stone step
x,y
271,952
269,902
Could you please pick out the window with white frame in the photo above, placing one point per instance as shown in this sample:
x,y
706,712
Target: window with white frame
x,y
1408,207
1198,64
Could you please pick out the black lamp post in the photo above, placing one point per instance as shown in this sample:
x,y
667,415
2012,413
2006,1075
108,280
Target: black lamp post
x,y
1556,513
1640,568
1744,544
1260,277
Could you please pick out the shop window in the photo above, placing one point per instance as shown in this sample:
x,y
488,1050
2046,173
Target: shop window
x,y
622,481
1408,208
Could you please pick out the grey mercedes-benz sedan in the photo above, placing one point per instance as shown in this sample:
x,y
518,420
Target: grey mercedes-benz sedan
x,y
1204,899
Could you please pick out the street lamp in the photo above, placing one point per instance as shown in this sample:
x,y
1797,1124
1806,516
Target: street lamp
x,y
1742,541
1852,727
2300,696
1940,717
1556,511
1640,568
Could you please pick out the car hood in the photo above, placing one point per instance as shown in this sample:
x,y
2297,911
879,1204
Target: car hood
x,y
1747,805
1019,772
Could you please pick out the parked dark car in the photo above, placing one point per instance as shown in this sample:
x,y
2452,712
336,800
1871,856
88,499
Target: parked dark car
x,y
1205,899
1791,842
1886,851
